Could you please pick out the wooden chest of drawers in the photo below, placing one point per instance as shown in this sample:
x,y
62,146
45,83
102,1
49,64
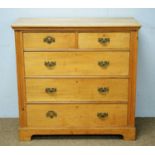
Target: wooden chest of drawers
x,y
76,76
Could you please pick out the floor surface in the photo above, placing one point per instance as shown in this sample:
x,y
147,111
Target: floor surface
x,y
145,136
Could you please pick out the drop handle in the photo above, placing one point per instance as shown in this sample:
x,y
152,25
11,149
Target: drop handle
x,y
103,90
51,114
102,115
49,40
50,64
50,90
103,63
103,40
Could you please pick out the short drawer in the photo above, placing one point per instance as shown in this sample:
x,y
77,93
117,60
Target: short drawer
x,y
76,63
114,40
85,89
77,115
38,41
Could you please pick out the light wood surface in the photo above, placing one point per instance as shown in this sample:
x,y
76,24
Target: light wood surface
x,y
76,63
77,89
132,80
117,40
77,75
128,133
76,22
20,77
77,116
36,40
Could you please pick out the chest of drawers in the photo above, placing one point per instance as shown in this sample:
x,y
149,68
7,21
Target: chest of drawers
x,y
76,76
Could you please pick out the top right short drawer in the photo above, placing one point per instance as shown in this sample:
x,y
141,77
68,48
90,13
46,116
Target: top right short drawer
x,y
113,40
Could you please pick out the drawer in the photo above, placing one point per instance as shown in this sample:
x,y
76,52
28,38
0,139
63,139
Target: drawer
x,y
77,115
45,41
76,63
114,40
66,89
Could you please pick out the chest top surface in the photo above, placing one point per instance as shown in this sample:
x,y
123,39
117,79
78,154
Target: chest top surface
x,y
76,22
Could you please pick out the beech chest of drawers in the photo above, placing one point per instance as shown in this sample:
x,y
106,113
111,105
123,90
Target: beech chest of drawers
x,y
76,76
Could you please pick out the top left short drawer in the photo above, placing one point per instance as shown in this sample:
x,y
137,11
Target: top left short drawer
x,y
47,41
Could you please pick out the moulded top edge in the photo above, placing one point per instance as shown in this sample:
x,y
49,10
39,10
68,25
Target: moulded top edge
x,y
76,22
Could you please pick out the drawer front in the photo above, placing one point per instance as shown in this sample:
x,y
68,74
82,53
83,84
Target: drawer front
x,y
77,89
76,63
45,41
104,40
77,115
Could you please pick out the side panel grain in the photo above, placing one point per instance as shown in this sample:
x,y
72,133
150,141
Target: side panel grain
x,y
132,80
20,77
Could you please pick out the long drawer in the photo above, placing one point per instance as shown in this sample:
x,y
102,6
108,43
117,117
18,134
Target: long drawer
x,y
76,89
113,40
77,115
76,63
38,41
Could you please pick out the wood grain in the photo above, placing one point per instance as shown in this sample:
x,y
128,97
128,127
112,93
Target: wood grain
x,y
20,77
36,40
117,40
76,22
77,89
76,76
77,116
132,80
128,133
76,63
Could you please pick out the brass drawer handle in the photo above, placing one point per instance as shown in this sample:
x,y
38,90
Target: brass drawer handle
x,y
103,40
103,90
50,64
102,115
104,64
51,114
50,90
49,39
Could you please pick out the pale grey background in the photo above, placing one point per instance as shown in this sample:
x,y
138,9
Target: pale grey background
x,y
146,56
